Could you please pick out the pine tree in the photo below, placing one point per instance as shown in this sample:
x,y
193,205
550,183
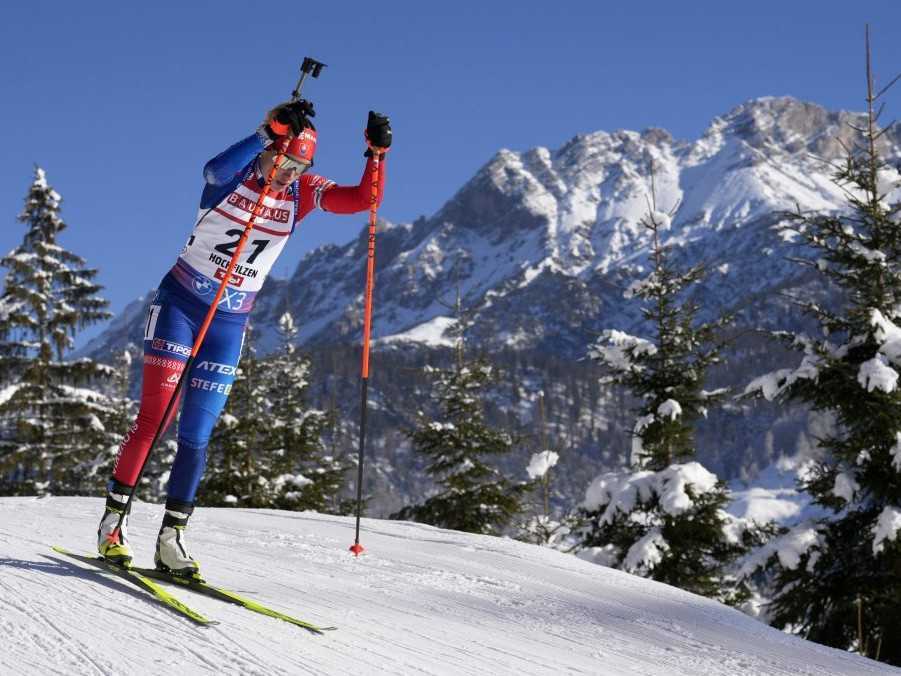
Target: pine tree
x,y
126,407
54,423
841,583
308,477
473,496
664,519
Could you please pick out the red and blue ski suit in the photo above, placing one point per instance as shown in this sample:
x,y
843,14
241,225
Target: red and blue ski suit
x,y
233,186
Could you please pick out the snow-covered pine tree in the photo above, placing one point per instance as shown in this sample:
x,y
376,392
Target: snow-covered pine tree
x,y
121,415
305,474
837,580
664,519
126,407
473,495
54,422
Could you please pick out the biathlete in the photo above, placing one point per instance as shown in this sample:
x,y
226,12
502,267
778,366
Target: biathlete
x,y
234,181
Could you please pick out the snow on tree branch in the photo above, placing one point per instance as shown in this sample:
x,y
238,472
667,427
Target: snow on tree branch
x,y
647,552
618,350
876,374
887,526
620,492
670,408
895,452
788,548
888,335
845,486
540,463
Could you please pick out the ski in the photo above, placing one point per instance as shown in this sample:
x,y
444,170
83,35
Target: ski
x,y
132,575
203,587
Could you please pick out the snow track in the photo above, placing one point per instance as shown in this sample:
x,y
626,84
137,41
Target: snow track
x,y
420,601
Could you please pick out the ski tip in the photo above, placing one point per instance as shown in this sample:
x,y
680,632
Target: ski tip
x,y
319,631
67,552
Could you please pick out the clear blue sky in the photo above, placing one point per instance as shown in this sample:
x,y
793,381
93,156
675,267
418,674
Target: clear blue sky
x,y
122,103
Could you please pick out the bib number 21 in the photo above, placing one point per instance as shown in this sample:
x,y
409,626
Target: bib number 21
x,y
228,248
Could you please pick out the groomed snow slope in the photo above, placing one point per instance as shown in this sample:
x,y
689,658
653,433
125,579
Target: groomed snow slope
x,y
420,601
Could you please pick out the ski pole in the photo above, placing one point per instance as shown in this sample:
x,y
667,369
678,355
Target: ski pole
x,y
308,66
356,547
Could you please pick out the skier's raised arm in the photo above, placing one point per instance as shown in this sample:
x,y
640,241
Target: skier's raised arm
x,y
341,199
318,192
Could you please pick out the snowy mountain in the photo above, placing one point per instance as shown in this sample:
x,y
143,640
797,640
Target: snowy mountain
x,y
542,245
532,228
420,600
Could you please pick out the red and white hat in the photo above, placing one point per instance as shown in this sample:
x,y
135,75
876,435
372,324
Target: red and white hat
x,y
302,147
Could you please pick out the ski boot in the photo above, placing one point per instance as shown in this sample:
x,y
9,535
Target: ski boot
x,y
115,551
172,554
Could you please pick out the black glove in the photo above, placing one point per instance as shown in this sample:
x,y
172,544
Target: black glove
x,y
378,130
291,117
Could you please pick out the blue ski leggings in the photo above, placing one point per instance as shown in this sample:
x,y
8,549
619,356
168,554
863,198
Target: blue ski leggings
x,y
172,326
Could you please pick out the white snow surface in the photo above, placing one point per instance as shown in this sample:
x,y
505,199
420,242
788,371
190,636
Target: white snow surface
x,y
420,600
432,332
773,495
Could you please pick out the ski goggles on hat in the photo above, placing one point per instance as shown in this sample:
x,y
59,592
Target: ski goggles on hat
x,y
288,163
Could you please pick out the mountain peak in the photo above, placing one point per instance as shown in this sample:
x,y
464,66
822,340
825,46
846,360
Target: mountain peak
x,y
577,210
786,124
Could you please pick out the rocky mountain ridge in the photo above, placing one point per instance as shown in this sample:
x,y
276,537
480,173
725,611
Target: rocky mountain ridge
x,y
533,227
542,244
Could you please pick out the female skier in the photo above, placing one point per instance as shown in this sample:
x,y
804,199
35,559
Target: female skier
x,y
234,180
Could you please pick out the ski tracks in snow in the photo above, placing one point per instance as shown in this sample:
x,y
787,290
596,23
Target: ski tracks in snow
x,y
420,601
33,636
